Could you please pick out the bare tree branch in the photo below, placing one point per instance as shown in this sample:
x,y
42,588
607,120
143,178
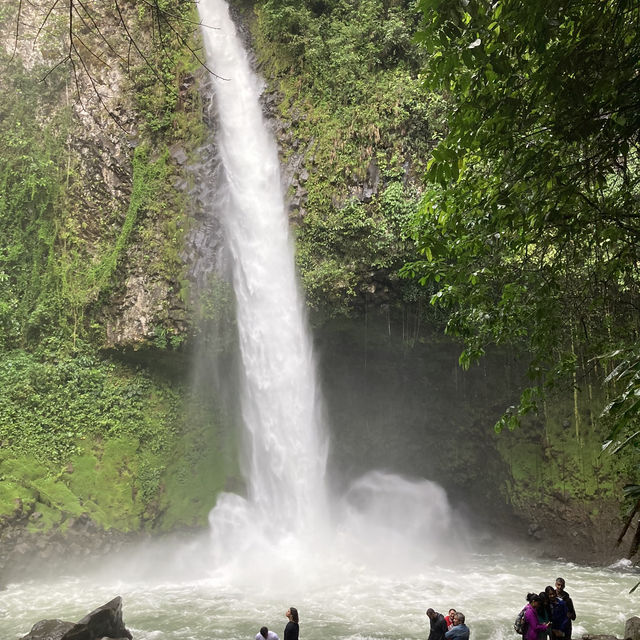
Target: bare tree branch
x,y
94,28
48,15
17,34
97,29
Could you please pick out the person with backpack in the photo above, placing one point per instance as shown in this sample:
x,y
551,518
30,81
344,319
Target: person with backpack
x,y
527,622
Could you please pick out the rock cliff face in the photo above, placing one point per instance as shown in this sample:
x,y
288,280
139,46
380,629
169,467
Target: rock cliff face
x,y
144,290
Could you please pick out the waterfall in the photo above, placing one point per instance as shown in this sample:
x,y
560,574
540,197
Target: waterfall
x,y
283,527
286,448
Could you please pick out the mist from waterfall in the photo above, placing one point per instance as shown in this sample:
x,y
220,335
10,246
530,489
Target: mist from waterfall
x,y
285,519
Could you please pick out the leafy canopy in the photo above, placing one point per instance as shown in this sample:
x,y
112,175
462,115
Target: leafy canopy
x,y
531,224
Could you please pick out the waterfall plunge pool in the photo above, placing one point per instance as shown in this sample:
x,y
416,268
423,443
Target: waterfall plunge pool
x,y
337,599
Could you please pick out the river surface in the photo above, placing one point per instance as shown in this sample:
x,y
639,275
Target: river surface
x,y
350,602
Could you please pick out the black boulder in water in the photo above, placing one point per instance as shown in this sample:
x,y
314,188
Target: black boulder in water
x,y
103,622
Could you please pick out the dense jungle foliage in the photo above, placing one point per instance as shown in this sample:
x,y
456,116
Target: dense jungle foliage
x,y
346,76
530,227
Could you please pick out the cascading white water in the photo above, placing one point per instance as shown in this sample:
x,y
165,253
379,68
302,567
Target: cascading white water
x,y
286,447
284,525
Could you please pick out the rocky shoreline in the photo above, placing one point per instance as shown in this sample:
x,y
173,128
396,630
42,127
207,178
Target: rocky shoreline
x,y
24,552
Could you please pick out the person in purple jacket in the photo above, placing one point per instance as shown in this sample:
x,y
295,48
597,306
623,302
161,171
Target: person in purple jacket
x,y
534,628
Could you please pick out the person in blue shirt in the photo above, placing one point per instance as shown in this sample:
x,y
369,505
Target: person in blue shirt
x,y
559,616
571,611
459,631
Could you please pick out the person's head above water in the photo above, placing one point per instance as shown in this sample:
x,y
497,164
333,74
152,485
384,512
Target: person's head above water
x,y
264,632
292,614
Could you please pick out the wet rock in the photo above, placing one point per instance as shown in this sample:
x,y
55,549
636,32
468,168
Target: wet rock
x,y
49,630
103,622
178,154
632,629
143,302
25,554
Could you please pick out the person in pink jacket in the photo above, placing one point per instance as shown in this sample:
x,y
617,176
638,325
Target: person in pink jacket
x,y
534,628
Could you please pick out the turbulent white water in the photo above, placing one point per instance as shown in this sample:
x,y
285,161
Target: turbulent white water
x,y
286,447
357,604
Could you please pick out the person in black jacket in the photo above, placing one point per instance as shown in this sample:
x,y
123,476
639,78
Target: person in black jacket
x,y
438,625
292,630
571,612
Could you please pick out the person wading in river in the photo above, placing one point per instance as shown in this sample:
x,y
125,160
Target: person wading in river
x,y
534,629
449,619
265,634
438,625
559,618
459,631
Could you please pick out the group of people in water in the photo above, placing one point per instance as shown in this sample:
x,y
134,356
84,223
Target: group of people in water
x,y
451,626
548,615
291,631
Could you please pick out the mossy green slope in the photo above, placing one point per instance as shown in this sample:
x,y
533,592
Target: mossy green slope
x,y
83,435
81,431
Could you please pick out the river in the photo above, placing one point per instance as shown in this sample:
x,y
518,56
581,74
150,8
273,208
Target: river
x,y
349,602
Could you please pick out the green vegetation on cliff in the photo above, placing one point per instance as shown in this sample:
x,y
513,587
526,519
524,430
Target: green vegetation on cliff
x,y
84,203
81,434
32,175
359,129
